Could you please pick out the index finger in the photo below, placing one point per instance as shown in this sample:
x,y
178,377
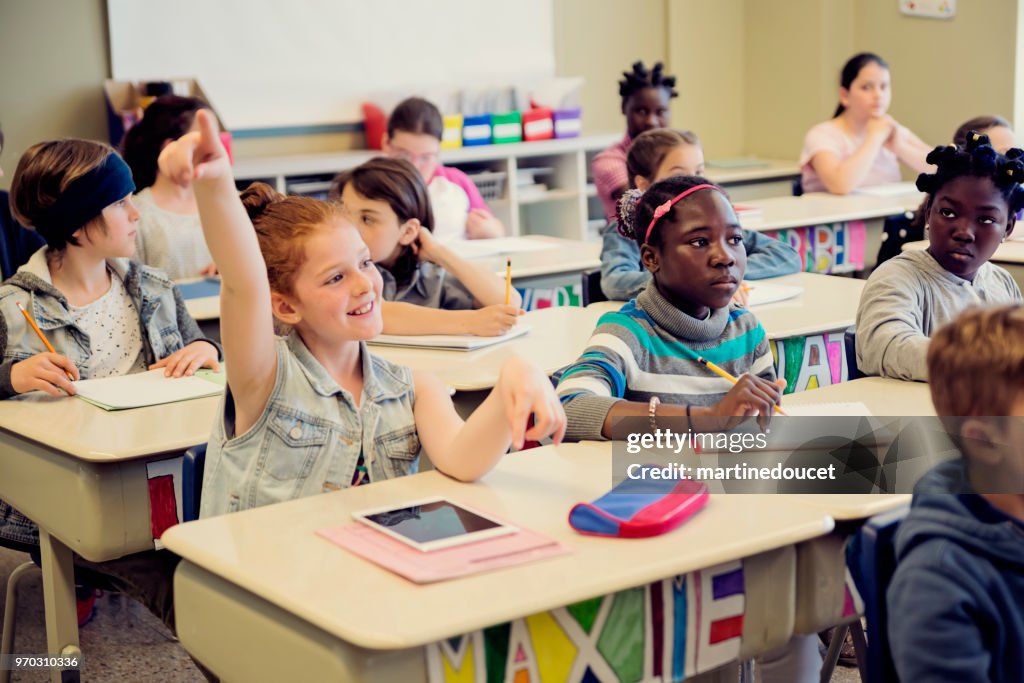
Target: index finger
x,y
65,364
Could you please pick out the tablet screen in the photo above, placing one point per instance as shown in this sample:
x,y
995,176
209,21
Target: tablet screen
x,y
434,523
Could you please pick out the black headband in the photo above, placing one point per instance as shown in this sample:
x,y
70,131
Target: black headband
x,y
85,198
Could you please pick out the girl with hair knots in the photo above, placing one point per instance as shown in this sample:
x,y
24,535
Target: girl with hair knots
x,y
861,144
428,288
646,95
104,314
643,359
654,156
315,411
169,235
972,204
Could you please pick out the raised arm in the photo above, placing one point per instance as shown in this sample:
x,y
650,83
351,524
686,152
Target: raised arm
x,y
483,284
246,319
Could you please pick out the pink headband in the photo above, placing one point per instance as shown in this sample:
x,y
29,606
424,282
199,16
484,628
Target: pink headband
x,y
667,206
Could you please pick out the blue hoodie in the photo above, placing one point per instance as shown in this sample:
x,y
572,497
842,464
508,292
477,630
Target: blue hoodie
x,y
956,602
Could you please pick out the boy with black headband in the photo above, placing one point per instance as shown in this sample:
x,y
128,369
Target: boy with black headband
x,y
103,314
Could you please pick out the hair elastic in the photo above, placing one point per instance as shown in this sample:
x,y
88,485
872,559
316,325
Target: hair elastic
x,y
667,206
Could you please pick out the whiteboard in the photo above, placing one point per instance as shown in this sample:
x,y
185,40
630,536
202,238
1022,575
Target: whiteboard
x,y
274,63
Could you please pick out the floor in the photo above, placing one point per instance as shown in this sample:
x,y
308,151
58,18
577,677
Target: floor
x,y
124,642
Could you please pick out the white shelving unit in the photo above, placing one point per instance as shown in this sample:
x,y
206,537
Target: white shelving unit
x,y
564,209
567,208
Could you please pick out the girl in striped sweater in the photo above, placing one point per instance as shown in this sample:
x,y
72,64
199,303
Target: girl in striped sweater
x,y
643,359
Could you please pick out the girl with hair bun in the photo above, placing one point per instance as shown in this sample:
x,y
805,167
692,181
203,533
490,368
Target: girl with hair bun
x,y
972,204
315,411
861,145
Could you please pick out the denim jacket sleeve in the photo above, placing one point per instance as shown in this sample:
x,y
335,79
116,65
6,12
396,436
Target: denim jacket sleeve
x,y
768,257
622,276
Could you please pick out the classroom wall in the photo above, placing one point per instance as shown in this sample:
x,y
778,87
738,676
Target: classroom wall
x,y
50,72
598,40
706,53
766,70
944,71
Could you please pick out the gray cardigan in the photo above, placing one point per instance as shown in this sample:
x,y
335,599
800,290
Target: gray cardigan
x,y
910,296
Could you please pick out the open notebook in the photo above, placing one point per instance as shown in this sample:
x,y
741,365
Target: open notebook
x,y
148,389
769,292
451,342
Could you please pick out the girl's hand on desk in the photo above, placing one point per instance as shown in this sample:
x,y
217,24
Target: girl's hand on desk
x,y
751,396
493,321
742,295
46,372
210,270
525,390
199,155
184,362
481,224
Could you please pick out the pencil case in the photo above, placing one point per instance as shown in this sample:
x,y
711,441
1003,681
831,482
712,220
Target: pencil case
x,y
638,508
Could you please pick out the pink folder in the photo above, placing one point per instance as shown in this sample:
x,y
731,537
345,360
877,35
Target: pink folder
x,y
446,563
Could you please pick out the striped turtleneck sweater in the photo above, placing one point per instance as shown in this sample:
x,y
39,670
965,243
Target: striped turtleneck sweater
x,y
650,348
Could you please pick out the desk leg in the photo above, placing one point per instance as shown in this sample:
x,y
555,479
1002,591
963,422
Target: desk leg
x,y
59,599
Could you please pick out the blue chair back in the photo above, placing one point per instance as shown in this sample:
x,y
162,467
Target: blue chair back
x,y
877,566
591,287
192,482
850,348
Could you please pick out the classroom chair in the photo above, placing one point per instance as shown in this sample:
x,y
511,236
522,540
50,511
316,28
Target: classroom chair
x,y
877,565
192,482
591,287
850,349
20,573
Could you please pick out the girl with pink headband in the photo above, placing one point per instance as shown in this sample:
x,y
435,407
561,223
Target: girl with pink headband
x,y
656,155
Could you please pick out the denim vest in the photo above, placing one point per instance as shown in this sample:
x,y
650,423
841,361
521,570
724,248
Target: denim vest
x,y
310,435
166,324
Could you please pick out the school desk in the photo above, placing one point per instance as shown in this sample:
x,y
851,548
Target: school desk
x,y
557,266
260,597
832,233
805,333
1009,256
760,180
79,472
556,338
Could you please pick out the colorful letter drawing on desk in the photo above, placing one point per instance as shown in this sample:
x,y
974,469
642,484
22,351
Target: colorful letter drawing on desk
x,y
828,248
535,297
817,360
667,630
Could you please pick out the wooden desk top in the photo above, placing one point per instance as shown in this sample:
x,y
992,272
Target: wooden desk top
x,y
84,431
273,552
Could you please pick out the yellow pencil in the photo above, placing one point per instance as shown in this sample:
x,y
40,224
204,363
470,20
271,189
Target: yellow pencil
x,y
722,373
508,281
39,332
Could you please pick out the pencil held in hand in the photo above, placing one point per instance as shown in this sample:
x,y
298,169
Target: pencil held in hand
x,y
39,332
725,375
508,281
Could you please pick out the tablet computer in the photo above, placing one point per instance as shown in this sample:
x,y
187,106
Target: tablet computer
x,y
433,523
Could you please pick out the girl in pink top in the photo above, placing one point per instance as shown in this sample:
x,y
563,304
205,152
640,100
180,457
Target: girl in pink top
x,y
414,134
861,145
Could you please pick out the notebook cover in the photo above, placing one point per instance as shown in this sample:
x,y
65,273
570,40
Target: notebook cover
x,y
446,563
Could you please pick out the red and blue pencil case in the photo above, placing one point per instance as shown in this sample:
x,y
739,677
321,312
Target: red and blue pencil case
x,y
637,508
